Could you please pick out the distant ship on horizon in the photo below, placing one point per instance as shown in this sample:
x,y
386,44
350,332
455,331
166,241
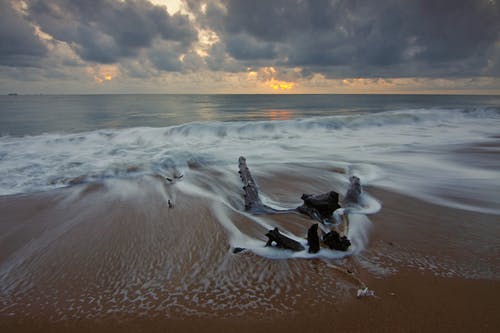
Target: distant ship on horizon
x,y
13,94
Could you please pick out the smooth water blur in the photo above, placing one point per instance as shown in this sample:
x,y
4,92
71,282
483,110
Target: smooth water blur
x,y
33,115
442,149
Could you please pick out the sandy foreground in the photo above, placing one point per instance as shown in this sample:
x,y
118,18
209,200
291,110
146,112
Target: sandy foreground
x,y
432,269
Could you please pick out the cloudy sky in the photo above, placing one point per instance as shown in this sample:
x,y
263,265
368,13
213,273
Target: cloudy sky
x,y
249,46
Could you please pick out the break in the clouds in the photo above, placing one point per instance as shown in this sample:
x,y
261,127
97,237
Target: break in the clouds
x,y
241,45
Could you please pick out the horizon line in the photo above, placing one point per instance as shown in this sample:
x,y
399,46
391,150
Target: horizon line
x,y
14,94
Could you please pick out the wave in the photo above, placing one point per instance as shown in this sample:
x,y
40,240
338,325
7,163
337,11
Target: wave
x,y
412,151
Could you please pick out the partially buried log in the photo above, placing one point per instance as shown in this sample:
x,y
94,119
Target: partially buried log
x,y
282,241
335,242
319,207
313,239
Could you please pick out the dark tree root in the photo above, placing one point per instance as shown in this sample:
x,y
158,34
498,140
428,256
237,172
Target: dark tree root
x,y
282,241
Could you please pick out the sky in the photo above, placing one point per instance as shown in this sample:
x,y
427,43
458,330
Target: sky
x,y
249,46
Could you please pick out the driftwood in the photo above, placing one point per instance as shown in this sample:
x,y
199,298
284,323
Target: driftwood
x,y
333,240
253,203
313,239
282,241
319,207
252,200
352,196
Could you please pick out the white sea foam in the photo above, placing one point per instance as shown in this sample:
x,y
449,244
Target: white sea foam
x,y
411,151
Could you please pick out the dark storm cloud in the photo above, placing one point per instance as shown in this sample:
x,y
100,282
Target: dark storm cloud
x,y
245,47
19,46
362,38
105,31
337,38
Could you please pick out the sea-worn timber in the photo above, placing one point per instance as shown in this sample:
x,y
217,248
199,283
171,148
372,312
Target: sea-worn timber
x,y
253,203
319,207
282,241
335,242
353,194
313,239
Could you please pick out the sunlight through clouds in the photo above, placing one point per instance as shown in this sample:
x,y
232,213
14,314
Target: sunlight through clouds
x,y
103,73
242,46
267,76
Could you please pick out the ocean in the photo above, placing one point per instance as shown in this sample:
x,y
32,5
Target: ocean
x,y
92,228
413,143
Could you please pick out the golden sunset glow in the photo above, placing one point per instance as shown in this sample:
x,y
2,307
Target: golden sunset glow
x,y
103,73
279,115
267,78
252,75
280,85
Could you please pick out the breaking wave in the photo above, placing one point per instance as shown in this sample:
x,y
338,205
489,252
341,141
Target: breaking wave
x,y
417,152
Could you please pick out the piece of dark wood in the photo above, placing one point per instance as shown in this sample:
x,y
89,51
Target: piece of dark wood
x,y
352,196
252,200
253,203
238,250
319,207
333,240
282,241
313,239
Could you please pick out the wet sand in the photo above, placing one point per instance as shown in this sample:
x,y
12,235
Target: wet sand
x,y
104,260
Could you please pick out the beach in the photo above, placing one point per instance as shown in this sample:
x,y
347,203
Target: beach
x,y
140,228
93,258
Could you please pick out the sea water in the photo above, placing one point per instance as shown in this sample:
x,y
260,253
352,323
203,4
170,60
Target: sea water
x,y
438,148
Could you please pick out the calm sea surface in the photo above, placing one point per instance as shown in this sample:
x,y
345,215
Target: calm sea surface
x,y
32,115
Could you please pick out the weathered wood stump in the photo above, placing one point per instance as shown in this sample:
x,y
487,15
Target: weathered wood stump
x,y
320,206
352,196
313,239
251,196
253,203
282,241
335,242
